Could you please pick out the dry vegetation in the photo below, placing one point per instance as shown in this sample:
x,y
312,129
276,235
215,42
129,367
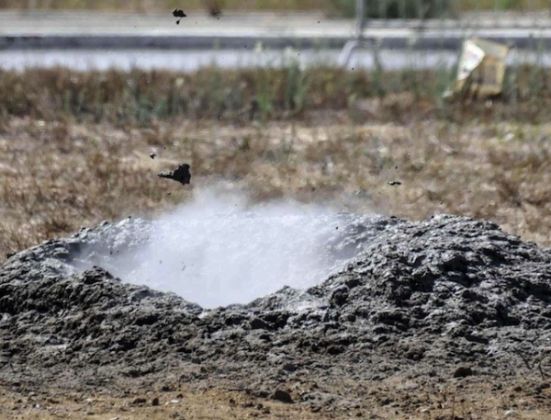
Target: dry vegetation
x,y
57,176
75,145
262,94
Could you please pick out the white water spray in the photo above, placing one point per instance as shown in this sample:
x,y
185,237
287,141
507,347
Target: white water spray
x,y
219,250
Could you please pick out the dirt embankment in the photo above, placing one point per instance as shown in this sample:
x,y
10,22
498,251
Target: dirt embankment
x,y
446,301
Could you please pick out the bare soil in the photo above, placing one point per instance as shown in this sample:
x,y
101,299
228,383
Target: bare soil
x,y
390,399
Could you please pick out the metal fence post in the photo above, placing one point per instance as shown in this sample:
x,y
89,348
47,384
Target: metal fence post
x,y
360,18
352,45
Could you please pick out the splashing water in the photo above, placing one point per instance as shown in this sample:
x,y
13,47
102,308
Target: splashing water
x,y
219,250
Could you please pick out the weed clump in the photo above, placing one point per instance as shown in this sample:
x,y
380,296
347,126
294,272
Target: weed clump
x,y
139,97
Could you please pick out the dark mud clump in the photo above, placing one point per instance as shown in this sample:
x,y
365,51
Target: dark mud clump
x,y
180,14
181,174
447,297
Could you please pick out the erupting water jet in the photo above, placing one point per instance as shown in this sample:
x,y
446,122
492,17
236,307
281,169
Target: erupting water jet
x,y
219,249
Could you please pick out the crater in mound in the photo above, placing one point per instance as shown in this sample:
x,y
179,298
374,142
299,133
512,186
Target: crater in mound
x,y
419,299
218,251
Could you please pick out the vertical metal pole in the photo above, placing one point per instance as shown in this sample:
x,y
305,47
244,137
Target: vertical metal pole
x,y
352,45
360,18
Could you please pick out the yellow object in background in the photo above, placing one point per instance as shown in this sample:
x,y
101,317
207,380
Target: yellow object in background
x,y
481,68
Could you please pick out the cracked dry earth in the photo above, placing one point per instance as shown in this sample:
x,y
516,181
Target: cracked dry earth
x,y
444,318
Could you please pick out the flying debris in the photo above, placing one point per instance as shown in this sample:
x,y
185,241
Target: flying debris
x,y
180,174
178,13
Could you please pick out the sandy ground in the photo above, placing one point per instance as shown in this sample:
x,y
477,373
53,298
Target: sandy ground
x,y
394,398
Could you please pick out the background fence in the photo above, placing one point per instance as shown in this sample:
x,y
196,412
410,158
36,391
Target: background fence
x,y
374,8
409,47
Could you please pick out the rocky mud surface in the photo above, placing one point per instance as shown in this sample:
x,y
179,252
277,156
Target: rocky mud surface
x,y
446,299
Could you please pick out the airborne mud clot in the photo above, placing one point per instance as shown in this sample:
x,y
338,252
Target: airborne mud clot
x,y
181,174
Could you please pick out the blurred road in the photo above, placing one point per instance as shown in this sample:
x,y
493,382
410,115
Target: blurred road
x,y
87,30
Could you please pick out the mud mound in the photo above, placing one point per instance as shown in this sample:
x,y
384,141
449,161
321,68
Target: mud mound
x,y
445,297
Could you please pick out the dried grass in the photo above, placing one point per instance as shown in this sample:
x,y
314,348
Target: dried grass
x,y
241,96
56,176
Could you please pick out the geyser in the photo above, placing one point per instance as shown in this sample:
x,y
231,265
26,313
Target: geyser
x,y
219,249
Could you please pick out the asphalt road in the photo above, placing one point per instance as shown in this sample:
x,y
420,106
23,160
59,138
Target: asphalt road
x,y
87,30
